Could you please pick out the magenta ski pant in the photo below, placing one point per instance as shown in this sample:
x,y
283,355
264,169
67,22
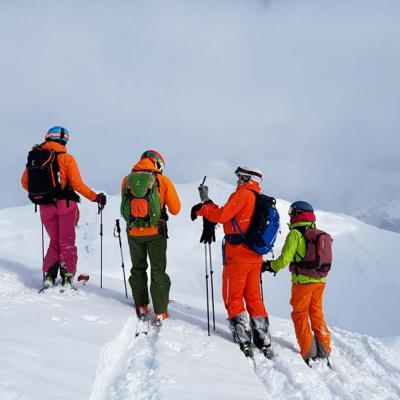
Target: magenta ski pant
x,y
60,221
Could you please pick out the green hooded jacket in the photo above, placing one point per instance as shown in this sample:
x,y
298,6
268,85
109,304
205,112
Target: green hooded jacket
x,y
295,249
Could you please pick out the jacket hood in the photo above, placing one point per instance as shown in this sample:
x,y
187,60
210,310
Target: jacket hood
x,y
54,146
251,185
303,217
146,164
309,224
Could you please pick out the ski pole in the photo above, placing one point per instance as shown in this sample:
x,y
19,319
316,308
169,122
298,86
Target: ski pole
x,y
212,285
117,234
207,276
262,290
208,305
43,274
43,249
100,211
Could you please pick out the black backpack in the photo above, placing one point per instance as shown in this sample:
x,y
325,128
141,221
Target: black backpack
x,y
43,175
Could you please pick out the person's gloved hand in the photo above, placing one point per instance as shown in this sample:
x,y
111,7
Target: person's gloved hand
x,y
203,192
266,267
101,200
193,212
208,234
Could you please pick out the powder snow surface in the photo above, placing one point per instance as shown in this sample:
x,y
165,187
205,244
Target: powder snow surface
x,y
81,345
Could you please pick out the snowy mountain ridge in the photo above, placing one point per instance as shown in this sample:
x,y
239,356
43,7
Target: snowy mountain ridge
x,y
80,345
383,216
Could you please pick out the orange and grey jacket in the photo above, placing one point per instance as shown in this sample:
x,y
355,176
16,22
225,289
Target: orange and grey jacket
x,y
70,177
240,206
168,195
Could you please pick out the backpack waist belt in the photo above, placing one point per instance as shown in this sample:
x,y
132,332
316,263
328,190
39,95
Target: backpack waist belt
x,y
234,239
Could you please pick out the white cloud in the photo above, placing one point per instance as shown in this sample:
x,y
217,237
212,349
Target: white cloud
x,y
306,91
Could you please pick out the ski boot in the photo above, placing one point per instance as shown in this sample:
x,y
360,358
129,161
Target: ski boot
x,y
241,333
262,335
48,281
51,276
322,353
160,318
142,326
67,280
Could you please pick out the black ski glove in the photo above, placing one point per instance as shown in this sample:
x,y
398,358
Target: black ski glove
x,y
194,210
208,234
101,200
266,267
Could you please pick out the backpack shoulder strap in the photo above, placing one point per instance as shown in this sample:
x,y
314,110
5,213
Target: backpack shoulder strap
x,y
302,230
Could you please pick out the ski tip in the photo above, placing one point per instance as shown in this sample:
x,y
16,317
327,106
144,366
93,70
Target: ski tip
x,y
83,278
267,352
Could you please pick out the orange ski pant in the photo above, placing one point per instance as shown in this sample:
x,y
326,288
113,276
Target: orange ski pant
x,y
306,302
241,284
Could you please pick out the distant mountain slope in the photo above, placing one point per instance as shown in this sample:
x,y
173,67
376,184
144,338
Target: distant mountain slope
x,y
384,216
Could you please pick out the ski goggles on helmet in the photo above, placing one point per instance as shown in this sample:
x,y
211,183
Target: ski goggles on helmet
x,y
245,175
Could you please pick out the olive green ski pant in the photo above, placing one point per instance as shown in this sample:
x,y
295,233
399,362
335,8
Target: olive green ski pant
x,y
155,247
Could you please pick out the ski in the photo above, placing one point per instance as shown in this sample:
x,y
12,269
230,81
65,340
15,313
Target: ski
x,y
61,289
69,289
267,352
44,288
82,279
143,325
318,361
247,351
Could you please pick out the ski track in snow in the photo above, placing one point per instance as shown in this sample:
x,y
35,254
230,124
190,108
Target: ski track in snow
x,y
128,367
361,368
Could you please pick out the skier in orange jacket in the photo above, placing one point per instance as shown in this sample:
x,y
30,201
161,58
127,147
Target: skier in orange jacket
x,y
150,241
242,266
61,216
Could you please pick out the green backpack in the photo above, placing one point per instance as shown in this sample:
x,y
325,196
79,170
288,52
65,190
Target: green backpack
x,y
140,205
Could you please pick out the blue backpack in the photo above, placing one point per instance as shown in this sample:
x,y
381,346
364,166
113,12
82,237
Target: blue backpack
x,y
264,225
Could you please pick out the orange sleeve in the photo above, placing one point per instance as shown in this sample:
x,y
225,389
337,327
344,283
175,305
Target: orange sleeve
x,y
24,180
69,173
223,214
171,198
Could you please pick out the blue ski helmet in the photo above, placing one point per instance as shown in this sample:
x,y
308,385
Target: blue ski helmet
x,y
300,206
57,134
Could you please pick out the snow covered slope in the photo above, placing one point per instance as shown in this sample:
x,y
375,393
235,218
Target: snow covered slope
x,y
81,345
384,216
362,289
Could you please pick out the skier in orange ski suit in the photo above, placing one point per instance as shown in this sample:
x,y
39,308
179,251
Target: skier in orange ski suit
x,y
242,266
